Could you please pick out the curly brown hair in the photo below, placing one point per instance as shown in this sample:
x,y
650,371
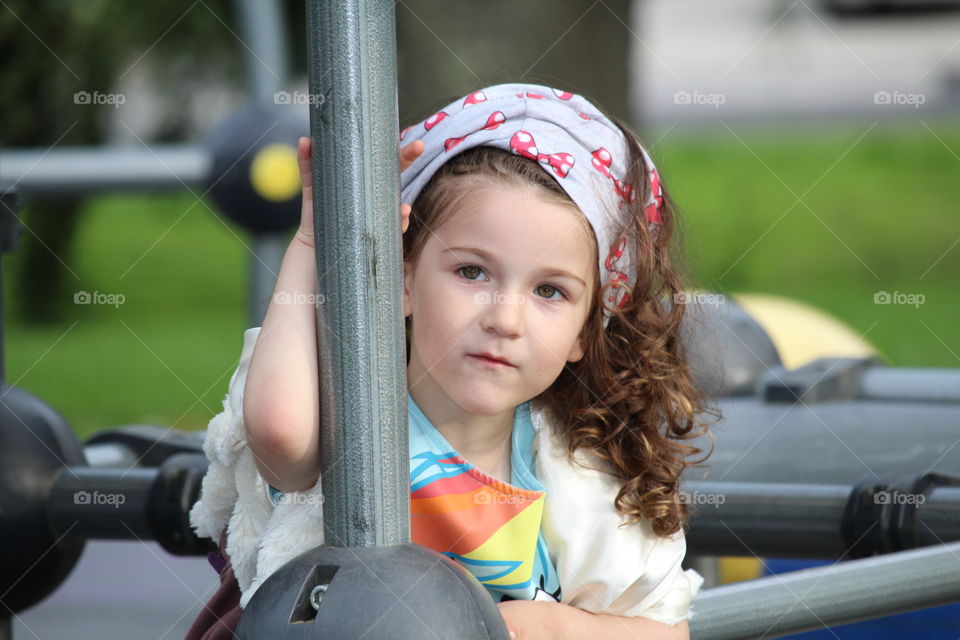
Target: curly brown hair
x,y
631,399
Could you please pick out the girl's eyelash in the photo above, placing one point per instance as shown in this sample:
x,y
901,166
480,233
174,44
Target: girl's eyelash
x,y
553,286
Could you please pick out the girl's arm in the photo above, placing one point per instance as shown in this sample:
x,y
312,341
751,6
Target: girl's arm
x,y
530,620
281,409
281,397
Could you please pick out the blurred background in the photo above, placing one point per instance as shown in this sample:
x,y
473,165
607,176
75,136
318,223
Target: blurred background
x,y
813,148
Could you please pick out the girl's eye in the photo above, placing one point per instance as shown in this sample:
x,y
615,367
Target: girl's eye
x,y
550,287
472,272
469,269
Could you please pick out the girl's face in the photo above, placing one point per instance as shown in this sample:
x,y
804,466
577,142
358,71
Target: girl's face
x,y
510,275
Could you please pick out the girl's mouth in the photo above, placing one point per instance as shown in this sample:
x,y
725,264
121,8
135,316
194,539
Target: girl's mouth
x,y
491,361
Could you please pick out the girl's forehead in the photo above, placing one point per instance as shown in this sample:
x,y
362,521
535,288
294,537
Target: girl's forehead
x,y
497,207
519,225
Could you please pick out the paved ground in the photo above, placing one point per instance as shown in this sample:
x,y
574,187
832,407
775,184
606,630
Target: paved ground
x,y
120,591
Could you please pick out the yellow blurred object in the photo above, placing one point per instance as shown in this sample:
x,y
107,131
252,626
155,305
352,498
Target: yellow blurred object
x,y
274,173
802,333
737,569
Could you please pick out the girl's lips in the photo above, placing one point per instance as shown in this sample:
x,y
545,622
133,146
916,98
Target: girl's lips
x,y
491,362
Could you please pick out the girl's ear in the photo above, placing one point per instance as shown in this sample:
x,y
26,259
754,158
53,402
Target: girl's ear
x,y
577,352
407,279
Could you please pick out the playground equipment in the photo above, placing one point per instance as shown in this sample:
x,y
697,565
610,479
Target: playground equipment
x,y
56,493
837,422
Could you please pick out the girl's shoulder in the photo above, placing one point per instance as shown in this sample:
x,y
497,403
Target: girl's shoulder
x,y
639,573
549,440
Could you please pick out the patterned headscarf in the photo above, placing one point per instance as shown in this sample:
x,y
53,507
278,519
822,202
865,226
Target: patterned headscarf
x,y
569,137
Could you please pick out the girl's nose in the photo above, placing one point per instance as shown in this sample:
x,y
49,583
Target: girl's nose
x,y
502,312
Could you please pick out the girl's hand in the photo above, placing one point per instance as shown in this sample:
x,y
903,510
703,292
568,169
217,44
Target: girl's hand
x,y
408,154
529,619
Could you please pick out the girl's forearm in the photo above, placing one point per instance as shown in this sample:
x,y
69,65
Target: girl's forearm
x,y
281,396
535,619
579,624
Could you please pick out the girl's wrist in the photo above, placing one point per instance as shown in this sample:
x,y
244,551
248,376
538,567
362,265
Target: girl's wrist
x,y
304,239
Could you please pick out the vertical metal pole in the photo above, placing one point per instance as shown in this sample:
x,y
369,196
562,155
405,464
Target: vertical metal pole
x,y
263,27
363,399
10,230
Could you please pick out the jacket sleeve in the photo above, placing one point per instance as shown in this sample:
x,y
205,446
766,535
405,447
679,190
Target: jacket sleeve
x,y
603,567
233,496
264,530
224,439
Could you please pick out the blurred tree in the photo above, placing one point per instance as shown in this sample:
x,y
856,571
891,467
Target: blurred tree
x,y
448,49
52,50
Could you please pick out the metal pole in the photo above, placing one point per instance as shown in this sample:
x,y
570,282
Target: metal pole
x,y
360,333
9,241
766,519
73,171
810,599
263,26
784,520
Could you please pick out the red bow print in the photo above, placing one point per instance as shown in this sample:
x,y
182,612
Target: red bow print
x,y
522,143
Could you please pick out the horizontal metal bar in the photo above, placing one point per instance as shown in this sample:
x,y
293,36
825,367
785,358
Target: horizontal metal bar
x,y
919,385
109,455
101,503
784,520
79,170
834,442
766,519
838,594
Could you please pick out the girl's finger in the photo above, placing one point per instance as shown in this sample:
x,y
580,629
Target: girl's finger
x,y
303,160
414,149
410,153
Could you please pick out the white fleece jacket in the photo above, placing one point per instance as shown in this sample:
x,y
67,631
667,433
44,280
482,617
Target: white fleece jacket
x,y
602,568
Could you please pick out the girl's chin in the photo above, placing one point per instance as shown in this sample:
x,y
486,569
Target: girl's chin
x,y
486,403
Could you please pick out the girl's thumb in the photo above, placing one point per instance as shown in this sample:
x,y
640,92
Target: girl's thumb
x,y
513,634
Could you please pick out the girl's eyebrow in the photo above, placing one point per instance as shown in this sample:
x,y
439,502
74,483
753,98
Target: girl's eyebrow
x,y
547,271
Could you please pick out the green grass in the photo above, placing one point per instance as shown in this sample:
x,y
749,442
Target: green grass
x,y
877,220
878,214
166,353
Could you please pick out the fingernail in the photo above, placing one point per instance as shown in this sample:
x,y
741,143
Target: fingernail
x,y
513,634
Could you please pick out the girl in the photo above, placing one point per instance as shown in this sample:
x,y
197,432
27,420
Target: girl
x,y
549,393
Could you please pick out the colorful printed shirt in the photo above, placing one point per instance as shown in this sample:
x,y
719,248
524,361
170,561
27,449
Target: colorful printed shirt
x,y
489,527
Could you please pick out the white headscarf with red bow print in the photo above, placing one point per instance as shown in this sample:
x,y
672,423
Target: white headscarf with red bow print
x,y
569,137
